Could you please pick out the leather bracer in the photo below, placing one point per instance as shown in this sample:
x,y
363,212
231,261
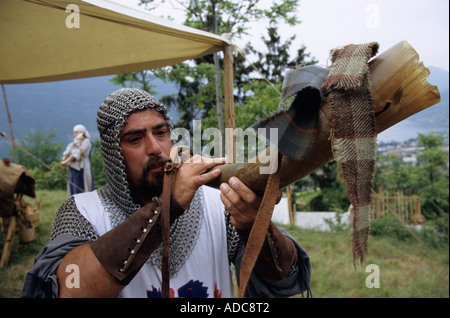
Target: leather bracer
x,y
123,250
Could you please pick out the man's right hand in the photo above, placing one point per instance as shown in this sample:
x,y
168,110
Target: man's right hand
x,y
191,175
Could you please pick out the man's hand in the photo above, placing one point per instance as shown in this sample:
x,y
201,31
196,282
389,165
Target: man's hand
x,y
277,255
193,174
241,202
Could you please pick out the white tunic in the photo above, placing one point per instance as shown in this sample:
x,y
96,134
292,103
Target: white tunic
x,y
206,272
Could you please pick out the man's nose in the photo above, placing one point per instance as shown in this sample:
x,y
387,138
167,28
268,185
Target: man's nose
x,y
152,146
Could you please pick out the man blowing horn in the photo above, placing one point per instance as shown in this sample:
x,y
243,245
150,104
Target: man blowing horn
x,y
112,236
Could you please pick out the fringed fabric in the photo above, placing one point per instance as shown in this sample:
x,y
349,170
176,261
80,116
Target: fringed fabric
x,y
353,135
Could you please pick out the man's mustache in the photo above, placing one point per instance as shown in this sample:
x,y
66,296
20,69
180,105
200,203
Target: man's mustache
x,y
153,163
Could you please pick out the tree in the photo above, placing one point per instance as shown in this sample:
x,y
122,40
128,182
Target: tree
x,y
432,158
217,17
434,176
333,196
255,98
139,79
394,175
196,90
428,179
42,146
274,63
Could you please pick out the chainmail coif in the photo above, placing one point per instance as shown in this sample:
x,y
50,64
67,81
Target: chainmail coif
x,y
111,118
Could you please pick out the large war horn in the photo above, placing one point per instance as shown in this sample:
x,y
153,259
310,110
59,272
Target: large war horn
x,y
399,89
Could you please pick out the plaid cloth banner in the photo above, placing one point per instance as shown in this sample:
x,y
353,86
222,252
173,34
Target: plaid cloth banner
x,y
353,135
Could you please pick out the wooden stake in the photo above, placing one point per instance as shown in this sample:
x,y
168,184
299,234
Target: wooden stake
x,y
230,138
289,196
13,144
8,242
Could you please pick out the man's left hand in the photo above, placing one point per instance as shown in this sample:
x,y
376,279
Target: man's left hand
x,y
241,202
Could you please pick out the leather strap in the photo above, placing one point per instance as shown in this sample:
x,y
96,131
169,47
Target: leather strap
x,y
171,168
260,226
165,219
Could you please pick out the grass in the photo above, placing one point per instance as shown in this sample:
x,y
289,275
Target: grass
x,y
407,270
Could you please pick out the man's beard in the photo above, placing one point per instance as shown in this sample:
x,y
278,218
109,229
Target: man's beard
x,y
150,187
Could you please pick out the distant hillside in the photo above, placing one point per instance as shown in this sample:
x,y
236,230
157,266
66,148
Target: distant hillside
x,y
62,105
435,116
432,119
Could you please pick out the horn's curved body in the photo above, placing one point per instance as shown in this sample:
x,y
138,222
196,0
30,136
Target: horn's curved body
x,y
399,89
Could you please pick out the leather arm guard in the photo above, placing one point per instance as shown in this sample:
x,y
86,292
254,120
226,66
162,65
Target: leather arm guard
x,y
124,250
277,254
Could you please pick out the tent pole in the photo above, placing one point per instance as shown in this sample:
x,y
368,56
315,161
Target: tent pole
x,y
10,126
230,138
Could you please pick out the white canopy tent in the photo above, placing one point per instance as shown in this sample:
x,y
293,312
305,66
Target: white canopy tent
x,y
38,45
51,40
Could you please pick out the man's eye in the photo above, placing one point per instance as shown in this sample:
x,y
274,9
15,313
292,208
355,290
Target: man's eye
x,y
162,132
133,139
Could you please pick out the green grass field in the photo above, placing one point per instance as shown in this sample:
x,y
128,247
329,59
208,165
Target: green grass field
x,y
406,269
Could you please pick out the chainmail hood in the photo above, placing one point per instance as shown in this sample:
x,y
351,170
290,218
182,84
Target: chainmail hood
x,y
111,118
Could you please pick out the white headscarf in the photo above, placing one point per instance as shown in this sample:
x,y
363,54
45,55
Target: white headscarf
x,y
80,127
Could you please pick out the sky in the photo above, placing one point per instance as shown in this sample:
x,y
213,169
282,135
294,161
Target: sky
x,y
327,24
424,24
